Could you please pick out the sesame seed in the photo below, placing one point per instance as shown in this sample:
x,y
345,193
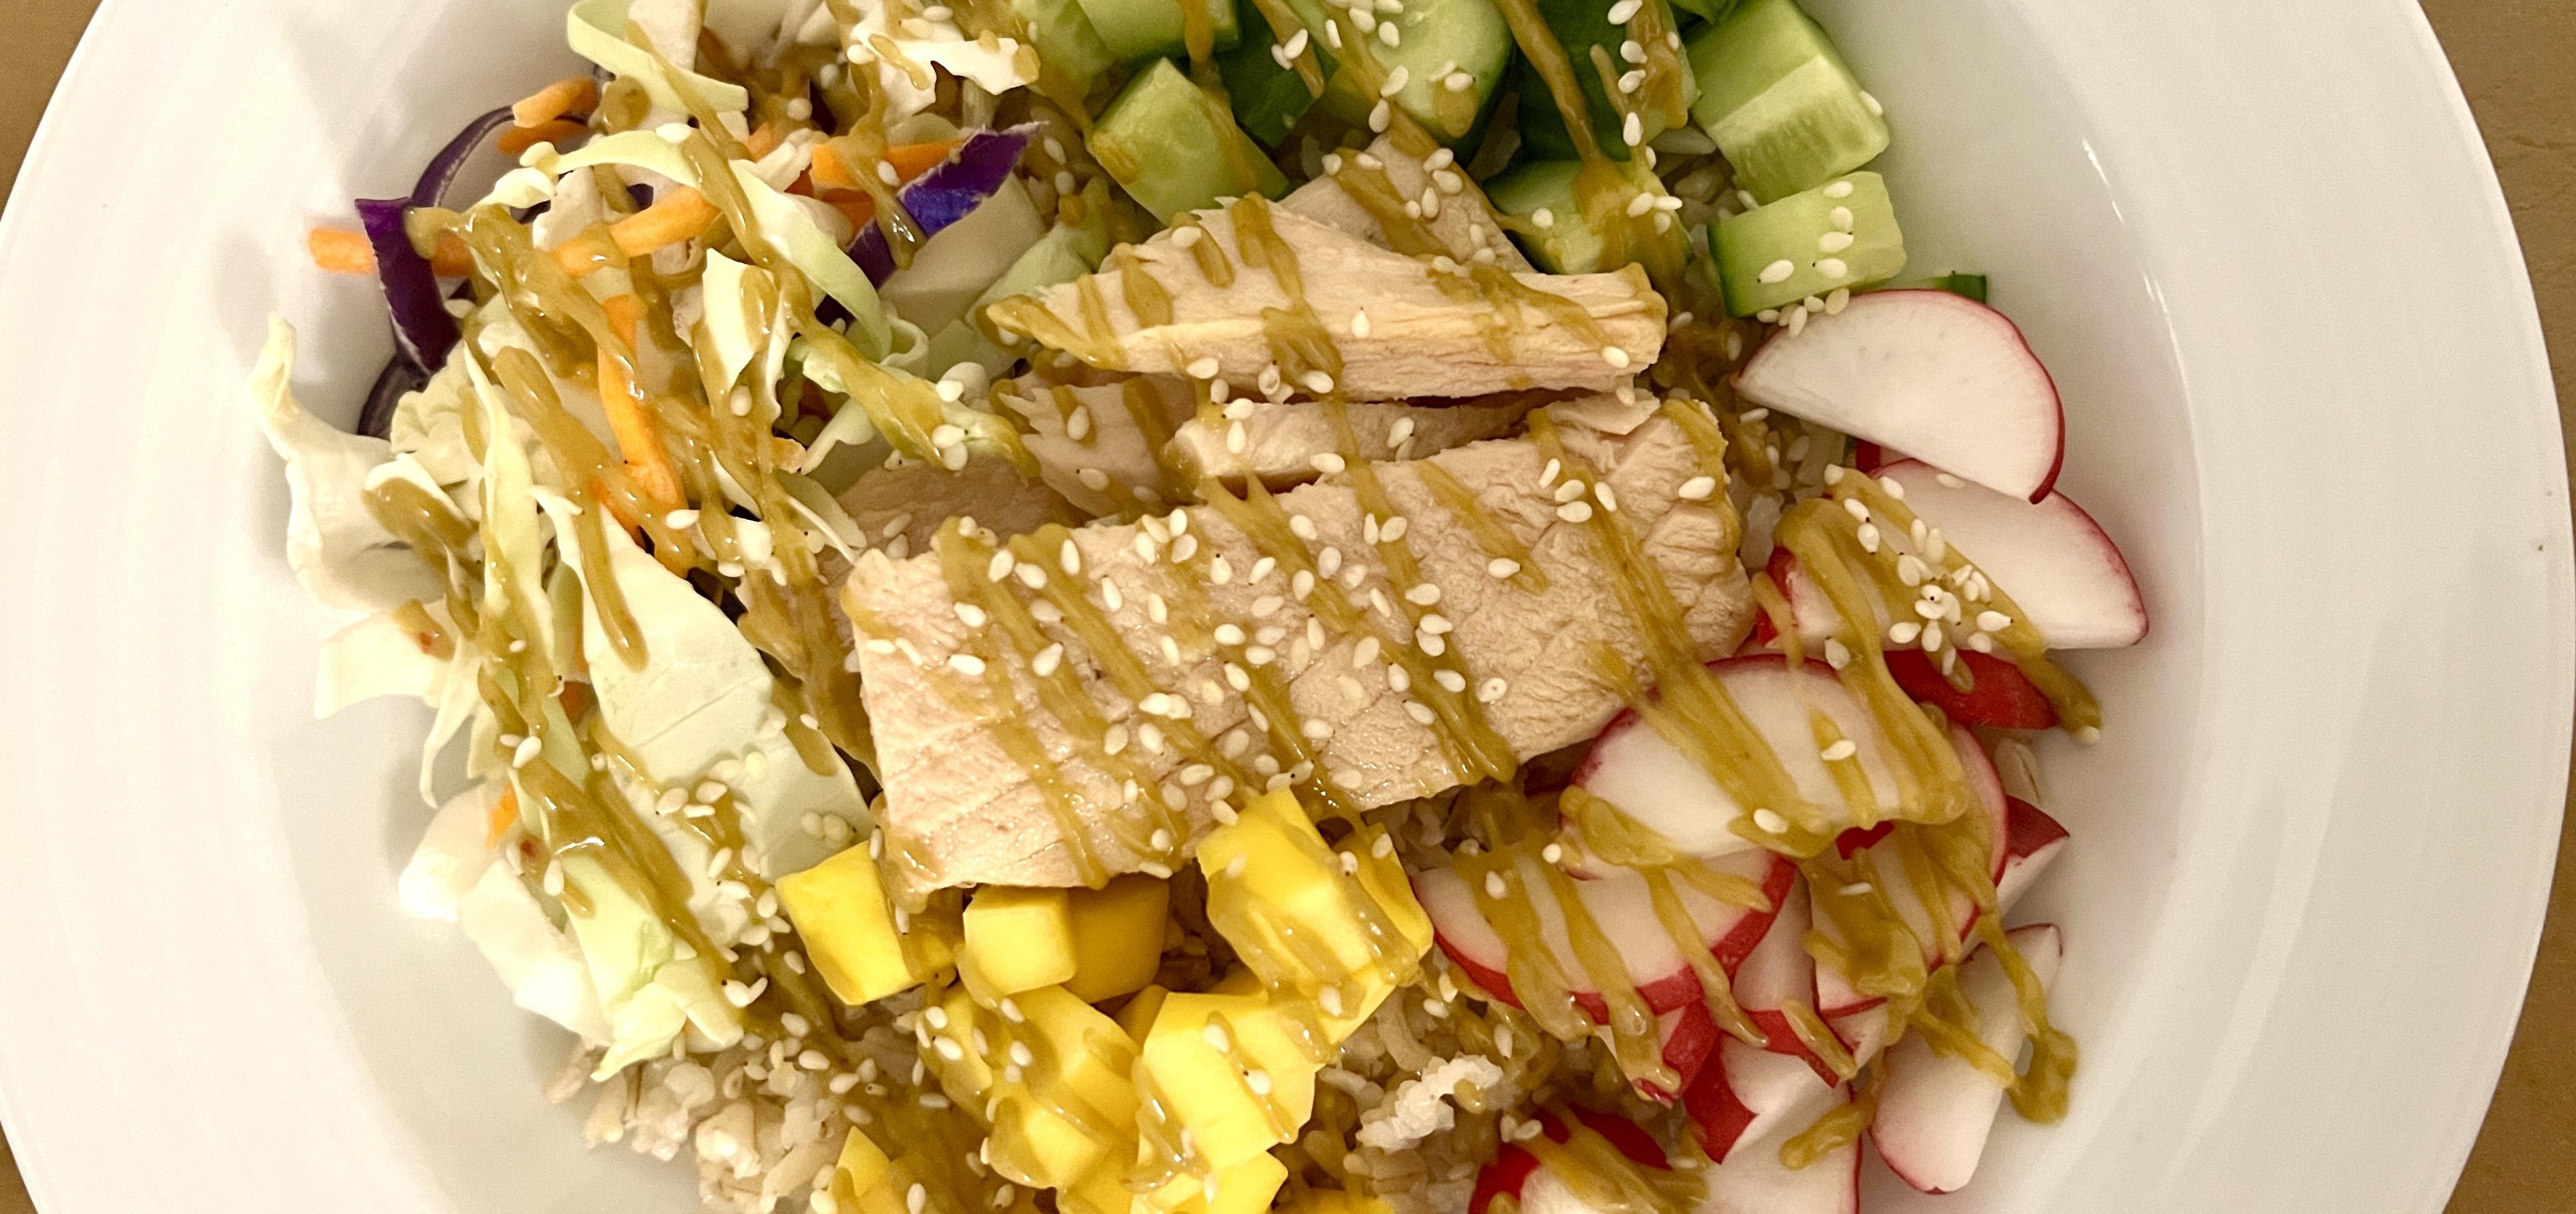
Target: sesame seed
x,y
1839,751
966,664
1317,382
1429,642
1436,624
1450,680
1328,463
1379,116
1034,577
1183,548
1302,527
1424,595
1491,690
1904,633
1575,512
1771,822
1502,567
1000,566
1778,271
1841,218
1547,475
1834,242
1831,267
1608,498
1494,885
1365,653
1394,529
1839,189
1569,491
1993,621
972,615
1697,488
1397,679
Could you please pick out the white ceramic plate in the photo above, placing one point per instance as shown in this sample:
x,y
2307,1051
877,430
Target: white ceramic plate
x,y
2256,240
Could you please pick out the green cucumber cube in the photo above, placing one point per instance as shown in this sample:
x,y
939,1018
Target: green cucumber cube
x,y
1579,26
1065,39
1175,149
1541,202
1780,102
1840,234
1269,99
1467,38
1147,29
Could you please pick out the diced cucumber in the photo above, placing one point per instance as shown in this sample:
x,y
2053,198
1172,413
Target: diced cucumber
x,y
1542,203
1268,98
1840,234
1065,39
1065,253
1965,286
1706,10
1145,29
1435,40
1175,149
1780,102
1580,26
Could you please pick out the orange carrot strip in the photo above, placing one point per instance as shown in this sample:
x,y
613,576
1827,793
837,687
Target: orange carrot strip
x,y
764,141
570,95
910,160
340,251
854,206
637,438
345,252
518,139
682,214
505,814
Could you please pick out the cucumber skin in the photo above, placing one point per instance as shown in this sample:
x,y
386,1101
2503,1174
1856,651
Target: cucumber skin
x,y
1965,286
1065,39
1488,61
1167,130
1133,30
1567,246
1268,99
1579,25
1744,61
1743,245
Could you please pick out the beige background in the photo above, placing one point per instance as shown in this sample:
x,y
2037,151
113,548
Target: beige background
x,y
2517,60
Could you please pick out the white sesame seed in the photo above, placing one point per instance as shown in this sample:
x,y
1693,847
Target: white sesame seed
x,y
1502,567
1317,382
1547,475
1834,242
1831,267
1605,495
1365,653
1993,621
966,664
1449,680
1328,463
1615,356
1766,820
1494,885
1778,271
1379,116
1491,690
1841,218
1424,595
1839,189
1575,512
1839,751
1302,527
1904,633
1397,679
1394,529
1436,624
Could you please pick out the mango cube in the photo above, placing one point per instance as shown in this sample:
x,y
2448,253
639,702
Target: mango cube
x,y
1016,940
1364,933
1232,1069
1138,1016
841,911
861,1178
1075,1096
1117,936
963,1072
1337,1201
1245,1188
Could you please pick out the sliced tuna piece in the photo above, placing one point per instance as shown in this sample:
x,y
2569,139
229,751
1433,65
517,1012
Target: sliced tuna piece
x,y
1527,647
1464,224
1396,326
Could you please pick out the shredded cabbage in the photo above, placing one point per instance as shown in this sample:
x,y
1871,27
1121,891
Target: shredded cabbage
x,y
597,31
343,557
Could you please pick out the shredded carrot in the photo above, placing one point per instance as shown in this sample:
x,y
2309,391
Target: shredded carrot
x,y
854,206
341,251
765,140
505,814
518,139
575,698
680,215
570,95
910,160
345,252
647,460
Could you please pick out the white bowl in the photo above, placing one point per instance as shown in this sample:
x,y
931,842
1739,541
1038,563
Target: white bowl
x,y
2258,244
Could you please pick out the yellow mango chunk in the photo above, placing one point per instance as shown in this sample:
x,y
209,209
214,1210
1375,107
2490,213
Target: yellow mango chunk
x,y
861,1178
1075,1095
950,1036
1103,1190
1245,1188
1117,936
1237,1101
1138,1016
1337,1201
1358,932
1016,940
849,928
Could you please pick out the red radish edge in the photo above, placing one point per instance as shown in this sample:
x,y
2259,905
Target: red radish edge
x,y
2003,696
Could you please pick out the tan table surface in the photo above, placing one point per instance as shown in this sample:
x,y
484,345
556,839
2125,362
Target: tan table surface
x,y
2517,60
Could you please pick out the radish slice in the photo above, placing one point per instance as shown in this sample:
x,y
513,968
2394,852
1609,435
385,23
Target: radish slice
x,y
1622,905
1777,974
1935,1112
1835,996
1517,1173
1754,1181
1746,1093
1999,695
1926,372
2032,842
2055,561
1689,1035
1633,767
